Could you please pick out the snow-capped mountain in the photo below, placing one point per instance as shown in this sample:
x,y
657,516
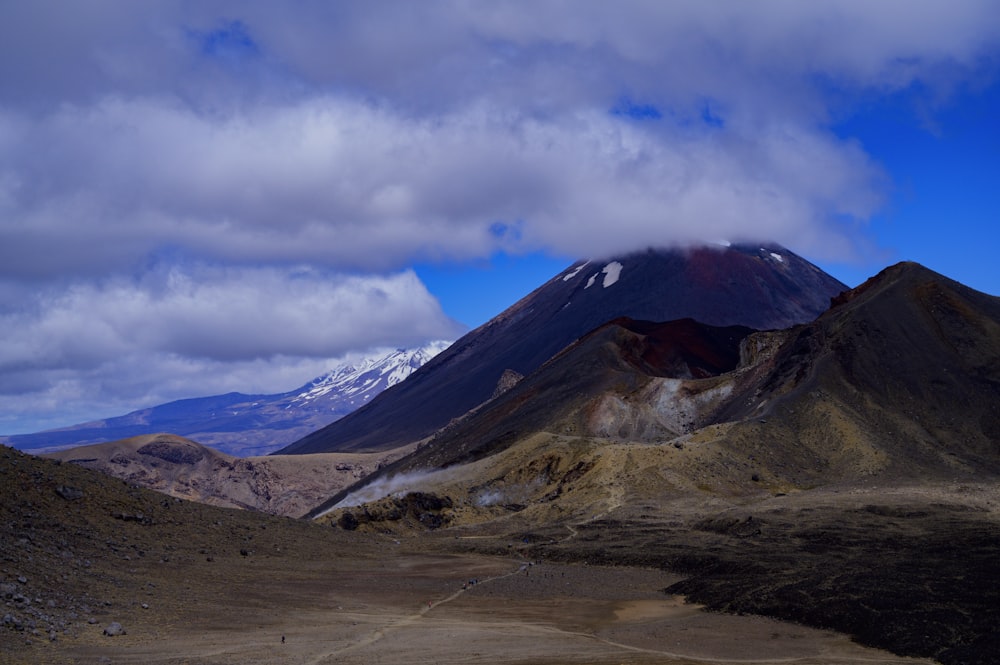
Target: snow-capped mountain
x,y
245,425
354,383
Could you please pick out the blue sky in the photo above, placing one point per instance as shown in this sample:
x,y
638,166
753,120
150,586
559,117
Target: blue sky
x,y
201,197
943,207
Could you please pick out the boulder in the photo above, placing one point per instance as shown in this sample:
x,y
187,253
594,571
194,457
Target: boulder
x,y
114,628
69,493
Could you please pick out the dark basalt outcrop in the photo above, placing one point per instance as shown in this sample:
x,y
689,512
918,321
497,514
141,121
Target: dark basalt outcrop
x,y
175,451
421,508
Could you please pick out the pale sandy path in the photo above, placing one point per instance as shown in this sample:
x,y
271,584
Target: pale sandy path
x,y
382,631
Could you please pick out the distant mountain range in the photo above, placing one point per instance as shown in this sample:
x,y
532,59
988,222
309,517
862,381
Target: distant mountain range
x,y
245,425
759,286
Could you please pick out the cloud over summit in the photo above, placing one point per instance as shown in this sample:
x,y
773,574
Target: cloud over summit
x,y
348,185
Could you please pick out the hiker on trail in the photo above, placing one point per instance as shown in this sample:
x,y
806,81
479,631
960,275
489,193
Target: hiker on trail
x,y
282,639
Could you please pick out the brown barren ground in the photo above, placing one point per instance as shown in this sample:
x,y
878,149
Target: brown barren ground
x,y
387,603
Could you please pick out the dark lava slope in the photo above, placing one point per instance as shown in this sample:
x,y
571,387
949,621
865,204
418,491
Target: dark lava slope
x,y
897,386
617,359
759,287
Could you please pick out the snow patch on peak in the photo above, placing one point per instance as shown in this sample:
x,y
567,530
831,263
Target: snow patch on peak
x,y
590,282
361,377
576,271
777,257
612,272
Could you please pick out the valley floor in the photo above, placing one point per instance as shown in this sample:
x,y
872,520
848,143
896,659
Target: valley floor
x,y
392,604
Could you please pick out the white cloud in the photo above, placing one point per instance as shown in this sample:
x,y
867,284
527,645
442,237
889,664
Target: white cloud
x,y
124,343
222,313
341,183
348,139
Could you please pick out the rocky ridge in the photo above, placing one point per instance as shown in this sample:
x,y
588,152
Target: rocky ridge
x,y
182,468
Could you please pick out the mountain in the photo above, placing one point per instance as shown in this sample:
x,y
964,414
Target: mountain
x,y
245,425
900,376
841,473
761,287
277,484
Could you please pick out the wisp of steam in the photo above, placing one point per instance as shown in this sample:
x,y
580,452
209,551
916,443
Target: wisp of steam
x,y
395,485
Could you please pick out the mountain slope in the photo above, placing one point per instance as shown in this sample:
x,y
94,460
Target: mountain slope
x,y
245,425
908,363
759,287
